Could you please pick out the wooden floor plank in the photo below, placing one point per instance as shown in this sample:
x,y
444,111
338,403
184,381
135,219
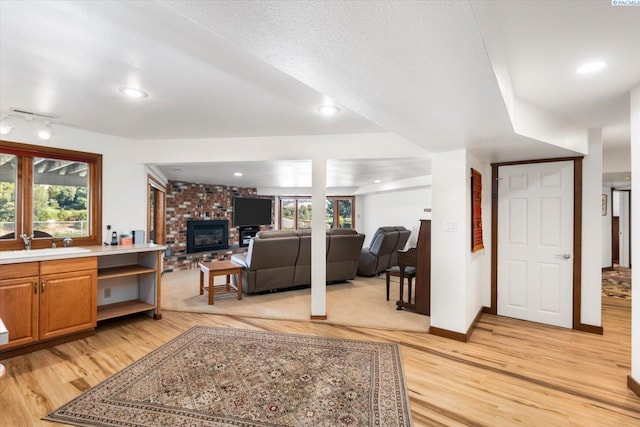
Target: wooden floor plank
x,y
511,372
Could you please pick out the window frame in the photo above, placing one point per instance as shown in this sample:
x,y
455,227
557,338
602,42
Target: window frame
x,y
24,192
333,199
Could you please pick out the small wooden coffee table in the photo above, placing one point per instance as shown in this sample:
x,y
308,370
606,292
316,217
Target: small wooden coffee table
x,y
219,268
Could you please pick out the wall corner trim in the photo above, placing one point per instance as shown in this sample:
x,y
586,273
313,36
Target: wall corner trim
x,y
457,336
633,385
591,329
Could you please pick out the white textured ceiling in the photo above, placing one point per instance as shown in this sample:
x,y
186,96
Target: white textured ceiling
x,y
341,174
260,68
70,58
416,68
545,41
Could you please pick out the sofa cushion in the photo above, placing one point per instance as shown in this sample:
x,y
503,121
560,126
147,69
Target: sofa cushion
x,y
275,234
343,255
341,231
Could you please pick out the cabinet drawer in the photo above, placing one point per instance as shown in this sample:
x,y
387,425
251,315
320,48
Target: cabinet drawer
x,y
66,265
22,269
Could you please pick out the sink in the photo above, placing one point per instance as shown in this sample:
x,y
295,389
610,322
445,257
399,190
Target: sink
x,y
41,252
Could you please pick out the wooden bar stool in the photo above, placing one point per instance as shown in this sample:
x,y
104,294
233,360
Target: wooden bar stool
x,y
409,272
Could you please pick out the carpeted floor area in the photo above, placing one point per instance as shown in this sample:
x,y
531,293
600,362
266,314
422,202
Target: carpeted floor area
x,y
616,283
211,376
359,302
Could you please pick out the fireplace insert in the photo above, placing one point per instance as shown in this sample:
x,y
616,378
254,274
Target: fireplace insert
x,y
210,235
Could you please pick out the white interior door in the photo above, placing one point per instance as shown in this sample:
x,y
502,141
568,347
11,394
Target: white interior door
x,y
535,242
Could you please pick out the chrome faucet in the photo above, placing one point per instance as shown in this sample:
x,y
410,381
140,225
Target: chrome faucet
x,y
27,241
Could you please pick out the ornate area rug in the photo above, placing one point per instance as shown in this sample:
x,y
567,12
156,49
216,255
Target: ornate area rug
x,y
617,283
211,376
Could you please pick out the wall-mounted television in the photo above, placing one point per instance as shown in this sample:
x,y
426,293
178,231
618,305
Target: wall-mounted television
x,y
251,211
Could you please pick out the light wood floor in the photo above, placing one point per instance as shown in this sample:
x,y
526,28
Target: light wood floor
x,y
510,373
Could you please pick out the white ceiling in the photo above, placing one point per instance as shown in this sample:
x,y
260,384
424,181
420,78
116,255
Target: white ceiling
x,y
341,174
260,68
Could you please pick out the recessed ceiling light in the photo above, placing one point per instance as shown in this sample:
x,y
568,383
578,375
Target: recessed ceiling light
x,y
133,92
628,178
177,169
237,174
328,110
591,67
377,181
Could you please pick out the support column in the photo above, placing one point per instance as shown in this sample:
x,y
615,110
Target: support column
x,y
449,242
318,240
591,299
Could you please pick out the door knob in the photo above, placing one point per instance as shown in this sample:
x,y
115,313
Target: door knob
x,y
563,256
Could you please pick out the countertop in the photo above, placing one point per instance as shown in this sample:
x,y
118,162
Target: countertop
x,y
14,257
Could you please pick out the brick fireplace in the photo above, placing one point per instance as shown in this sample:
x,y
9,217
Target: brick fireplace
x,y
199,202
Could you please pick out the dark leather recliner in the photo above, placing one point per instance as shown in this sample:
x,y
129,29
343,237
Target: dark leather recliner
x,y
382,252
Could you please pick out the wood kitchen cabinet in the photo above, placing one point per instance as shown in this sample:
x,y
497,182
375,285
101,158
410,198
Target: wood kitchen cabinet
x,y
19,297
51,297
54,298
67,296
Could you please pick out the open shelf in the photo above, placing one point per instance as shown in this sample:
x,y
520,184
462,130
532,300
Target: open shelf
x,y
124,270
123,308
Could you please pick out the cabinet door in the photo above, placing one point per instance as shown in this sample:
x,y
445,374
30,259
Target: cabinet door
x,y
67,303
19,310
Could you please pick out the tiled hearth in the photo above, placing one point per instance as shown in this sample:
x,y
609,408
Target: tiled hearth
x,y
202,202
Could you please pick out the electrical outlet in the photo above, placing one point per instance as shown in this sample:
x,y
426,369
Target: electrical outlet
x,y
107,292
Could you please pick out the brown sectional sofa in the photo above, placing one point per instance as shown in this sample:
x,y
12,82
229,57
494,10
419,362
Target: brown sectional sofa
x,y
281,259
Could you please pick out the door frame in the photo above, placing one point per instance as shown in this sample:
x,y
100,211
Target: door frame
x,y
577,237
160,211
630,225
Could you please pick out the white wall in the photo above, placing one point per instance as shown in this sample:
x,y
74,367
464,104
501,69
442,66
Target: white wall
x,y
479,262
401,207
635,238
124,177
459,279
591,292
124,192
606,229
616,160
624,224
299,147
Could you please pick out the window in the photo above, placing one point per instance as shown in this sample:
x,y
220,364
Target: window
x,y
8,186
295,212
60,198
49,193
304,213
287,214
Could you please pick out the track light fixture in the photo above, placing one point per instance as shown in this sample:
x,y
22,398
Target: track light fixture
x,y
44,132
6,125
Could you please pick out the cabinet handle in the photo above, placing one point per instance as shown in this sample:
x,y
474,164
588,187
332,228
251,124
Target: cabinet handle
x,y
43,284
35,287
